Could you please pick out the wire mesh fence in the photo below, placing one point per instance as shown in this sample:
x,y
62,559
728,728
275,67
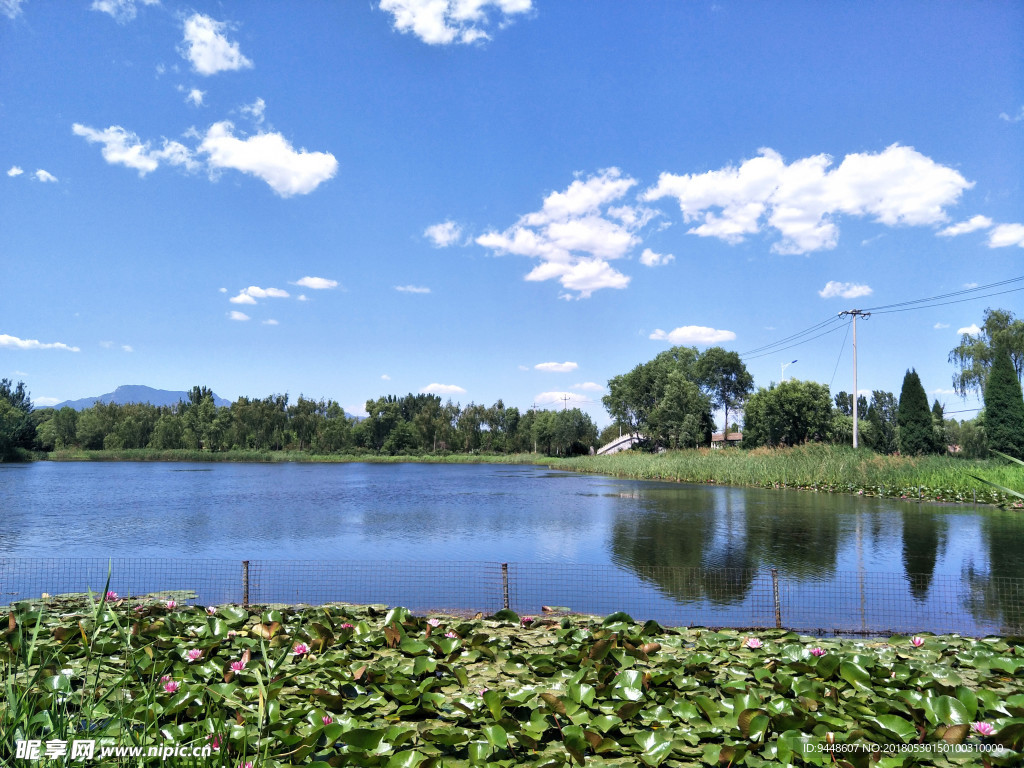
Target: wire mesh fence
x,y
840,602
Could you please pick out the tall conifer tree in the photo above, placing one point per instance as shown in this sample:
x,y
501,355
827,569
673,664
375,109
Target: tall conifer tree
x,y
1004,407
914,417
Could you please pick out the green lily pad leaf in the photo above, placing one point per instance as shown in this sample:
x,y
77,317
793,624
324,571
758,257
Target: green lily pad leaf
x,y
854,674
362,739
746,717
555,703
954,734
615,618
495,735
408,759
506,615
827,665
575,742
949,711
56,683
895,726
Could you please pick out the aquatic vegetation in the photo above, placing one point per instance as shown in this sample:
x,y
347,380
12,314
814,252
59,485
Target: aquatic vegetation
x,y
336,685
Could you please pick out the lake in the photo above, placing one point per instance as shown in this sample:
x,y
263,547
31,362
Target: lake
x,y
434,535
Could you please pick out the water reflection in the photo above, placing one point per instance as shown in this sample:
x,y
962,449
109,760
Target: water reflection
x,y
924,536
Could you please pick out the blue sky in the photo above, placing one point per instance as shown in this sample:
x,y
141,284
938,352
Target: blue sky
x,y
486,199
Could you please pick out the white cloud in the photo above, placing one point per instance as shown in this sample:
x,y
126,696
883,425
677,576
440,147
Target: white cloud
x,y
236,315
523,367
443,389
270,157
122,11
11,8
222,290
941,391
302,297
44,176
970,330
1004,235
1019,117
253,292
385,377
14,171
121,147
127,348
255,110
559,398
316,283
13,342
412,289
651,259
576,233
693,334
971,225
208,49
46,401
970,285
444,234
588,386
835,289
898,186
270,321
556,367
441,22
940,326
195,97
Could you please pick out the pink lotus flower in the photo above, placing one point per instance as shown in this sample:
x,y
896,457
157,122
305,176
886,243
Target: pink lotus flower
x,y
817,651
245,765
215,741
232,633
194,655
112,596
139,608
171,686
327,719
300,649
237,666
983,729
752,642
346,625
452,635
210,610
526,620
171,605
165,678
917,642
434,622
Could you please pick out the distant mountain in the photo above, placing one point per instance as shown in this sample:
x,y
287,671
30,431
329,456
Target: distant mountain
x,y
134,393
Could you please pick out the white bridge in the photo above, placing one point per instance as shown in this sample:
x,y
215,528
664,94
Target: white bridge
x,y
623,443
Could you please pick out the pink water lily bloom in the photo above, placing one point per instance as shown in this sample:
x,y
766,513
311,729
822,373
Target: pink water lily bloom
x,y
232,633
983,729
245,765
300,649
171,686
817,651
112,596
165,678
211,610
327,719
237,666
526,620
171,605
195,655
752,642
917,642
434,622
214,740
346,625
451,635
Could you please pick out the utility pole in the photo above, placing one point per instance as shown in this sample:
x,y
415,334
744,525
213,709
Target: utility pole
x,y
855,313
565,402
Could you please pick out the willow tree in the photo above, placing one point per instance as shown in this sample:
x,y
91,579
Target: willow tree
x,y
976,352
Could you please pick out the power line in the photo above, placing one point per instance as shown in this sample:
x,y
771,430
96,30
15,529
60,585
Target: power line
x,y
975,289
791,346
797,335
840,356
954,301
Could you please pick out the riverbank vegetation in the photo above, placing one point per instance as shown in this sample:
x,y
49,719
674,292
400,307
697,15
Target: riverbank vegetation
x,y
367,686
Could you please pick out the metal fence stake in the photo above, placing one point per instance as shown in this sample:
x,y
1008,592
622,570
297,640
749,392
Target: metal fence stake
x,y
245,583
775,595
504,582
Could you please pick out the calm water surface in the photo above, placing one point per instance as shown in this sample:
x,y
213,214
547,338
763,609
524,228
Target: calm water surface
x,y
518,514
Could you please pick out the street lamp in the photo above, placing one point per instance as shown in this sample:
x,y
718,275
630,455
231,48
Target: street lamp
x,y
784,367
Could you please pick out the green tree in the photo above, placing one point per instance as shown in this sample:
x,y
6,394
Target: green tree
x,y
881,416
17,430
1004,407
976,352
789,413
916,426
725,379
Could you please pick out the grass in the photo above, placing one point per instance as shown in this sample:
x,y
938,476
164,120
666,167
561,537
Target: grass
x,y
343,685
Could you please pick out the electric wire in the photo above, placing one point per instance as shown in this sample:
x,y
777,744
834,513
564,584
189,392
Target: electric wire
x,y
791,346
973,289
840,356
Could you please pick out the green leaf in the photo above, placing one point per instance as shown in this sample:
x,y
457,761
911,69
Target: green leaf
x,y
854,674
575,742
408,759
895,726
949,711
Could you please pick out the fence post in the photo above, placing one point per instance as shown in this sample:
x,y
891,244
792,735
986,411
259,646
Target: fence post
x,y
245,583
775,597
504,583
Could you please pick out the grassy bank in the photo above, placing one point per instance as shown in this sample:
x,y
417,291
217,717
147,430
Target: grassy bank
x,y
823,468
272,457
343,685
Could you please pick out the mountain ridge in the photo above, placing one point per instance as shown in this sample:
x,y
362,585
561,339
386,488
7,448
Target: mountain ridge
x,y
134,393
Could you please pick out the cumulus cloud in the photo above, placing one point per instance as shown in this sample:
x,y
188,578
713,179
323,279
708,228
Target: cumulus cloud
x,y
14,171
316,283
385,377
576,233
236,315
122,147
693,334
46,401
1004,235
412,289
970,330
195,97
444,234
11,8
268,156
44,176
127,348
1017,118
270,321
13,342
441,22
800,200
940,326
556,367
122,11
559,398
588,386
835,289
443,389
253,292
651,259
255,111
971,225
208,50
